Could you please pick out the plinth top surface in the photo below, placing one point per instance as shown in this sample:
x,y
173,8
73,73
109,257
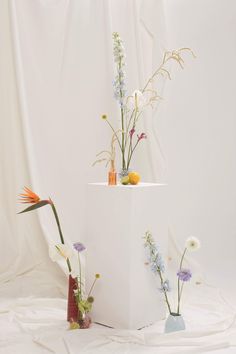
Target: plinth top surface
x,y
140,185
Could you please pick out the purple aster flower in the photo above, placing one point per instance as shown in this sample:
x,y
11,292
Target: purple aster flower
x,y
79,247
184,274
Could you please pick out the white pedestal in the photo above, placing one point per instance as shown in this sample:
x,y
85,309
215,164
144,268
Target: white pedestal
x,y
126,295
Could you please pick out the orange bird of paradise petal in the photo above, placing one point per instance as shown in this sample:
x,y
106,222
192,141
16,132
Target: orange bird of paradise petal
x,y
29,197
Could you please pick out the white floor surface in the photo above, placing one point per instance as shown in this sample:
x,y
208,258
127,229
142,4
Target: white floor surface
x,y
37,325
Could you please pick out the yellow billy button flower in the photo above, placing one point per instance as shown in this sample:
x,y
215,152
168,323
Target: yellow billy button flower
x,y
97,276
104,116
74,325
90,299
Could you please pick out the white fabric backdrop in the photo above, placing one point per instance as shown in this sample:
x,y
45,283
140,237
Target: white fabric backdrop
x,y
197,128
56,77
24,256
65,71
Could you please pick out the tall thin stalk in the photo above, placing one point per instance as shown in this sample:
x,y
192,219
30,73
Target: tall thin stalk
x,y
180,290
59,229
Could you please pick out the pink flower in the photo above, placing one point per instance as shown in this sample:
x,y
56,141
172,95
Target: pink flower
x,y
131,133
142,136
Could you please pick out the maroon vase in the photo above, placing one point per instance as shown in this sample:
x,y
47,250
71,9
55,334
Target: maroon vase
x,y
72,308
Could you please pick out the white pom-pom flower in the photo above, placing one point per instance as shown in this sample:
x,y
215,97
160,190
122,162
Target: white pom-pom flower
x,y
192,243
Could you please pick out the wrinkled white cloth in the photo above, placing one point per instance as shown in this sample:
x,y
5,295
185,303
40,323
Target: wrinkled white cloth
x,y
38,325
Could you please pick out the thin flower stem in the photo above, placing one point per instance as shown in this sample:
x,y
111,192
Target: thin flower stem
x,y
162,283
122,122
80,275
123,139
128,127
59,229
128,122
115,133
166,297
91,289
179,291
133,125
132,152
131,140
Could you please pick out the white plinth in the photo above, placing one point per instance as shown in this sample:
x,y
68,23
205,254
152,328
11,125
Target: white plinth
x,y
127,294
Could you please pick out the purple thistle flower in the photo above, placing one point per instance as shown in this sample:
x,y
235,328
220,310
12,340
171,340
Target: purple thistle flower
x,y
79,247
184,274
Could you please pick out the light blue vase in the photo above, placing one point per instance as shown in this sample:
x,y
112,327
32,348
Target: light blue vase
x,y
174,323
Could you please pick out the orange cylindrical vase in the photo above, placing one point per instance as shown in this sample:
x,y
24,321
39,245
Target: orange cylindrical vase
x,y
72,308
112,174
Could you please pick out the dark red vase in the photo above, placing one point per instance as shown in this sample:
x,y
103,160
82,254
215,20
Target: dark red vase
x,y
72,308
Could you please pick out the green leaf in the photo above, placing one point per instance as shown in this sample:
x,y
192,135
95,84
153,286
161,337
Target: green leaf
x,y
35,206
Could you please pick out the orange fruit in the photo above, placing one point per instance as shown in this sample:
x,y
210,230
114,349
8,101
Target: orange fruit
x,y
134,178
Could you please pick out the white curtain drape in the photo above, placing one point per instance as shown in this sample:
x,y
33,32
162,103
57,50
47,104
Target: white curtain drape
x,y
64,68
56,75
58,59
24,255
60,64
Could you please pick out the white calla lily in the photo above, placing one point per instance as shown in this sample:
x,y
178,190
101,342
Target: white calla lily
x,y
137,100
59,251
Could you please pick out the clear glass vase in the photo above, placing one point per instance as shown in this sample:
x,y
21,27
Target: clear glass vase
x,y
84,321
124,172
174,323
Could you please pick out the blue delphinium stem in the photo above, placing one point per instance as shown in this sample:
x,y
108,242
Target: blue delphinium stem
x,y
119,85
157,265
122,124
164,290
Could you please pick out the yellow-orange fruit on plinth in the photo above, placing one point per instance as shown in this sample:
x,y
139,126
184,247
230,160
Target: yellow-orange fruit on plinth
x,y
134,178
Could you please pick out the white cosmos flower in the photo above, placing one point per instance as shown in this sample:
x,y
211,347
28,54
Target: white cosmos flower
x,y
192,243
58,251
138,99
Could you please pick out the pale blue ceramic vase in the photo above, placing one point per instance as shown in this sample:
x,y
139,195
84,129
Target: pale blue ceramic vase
x,y
174,323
